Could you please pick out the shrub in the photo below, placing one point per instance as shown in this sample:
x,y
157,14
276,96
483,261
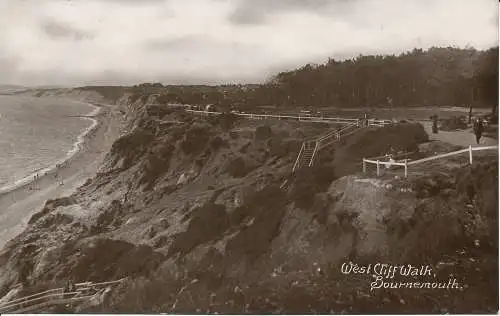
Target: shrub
x,y
237,168
207,223
195,139
308,182
263,132
453,123
157,164
217,143
267,207
376,142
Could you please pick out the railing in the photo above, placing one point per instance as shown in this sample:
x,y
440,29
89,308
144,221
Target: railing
x,y
316,149
379,123
295,165
301,118
325,140
53,297
406,162
335,135
204,112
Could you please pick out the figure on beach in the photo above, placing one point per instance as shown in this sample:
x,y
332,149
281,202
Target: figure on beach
x,y
478,129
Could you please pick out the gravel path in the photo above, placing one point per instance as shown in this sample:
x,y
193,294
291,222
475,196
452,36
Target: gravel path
x,y
459,138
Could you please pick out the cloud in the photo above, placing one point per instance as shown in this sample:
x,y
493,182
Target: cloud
x,y
57,30
212,41
257,11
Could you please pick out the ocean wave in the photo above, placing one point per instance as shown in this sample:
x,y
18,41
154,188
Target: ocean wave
x,y
77,146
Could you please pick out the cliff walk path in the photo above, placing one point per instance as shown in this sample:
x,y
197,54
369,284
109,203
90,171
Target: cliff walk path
x,y
459,138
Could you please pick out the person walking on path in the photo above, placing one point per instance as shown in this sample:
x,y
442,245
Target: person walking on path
x,y
434,124
478,129
470,113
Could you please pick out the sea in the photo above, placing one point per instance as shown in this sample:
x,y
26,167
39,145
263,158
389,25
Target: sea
x,y
36,134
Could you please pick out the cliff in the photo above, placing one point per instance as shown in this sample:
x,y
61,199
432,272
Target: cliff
x,y
204,215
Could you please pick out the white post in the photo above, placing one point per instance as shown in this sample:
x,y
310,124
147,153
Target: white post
x,y
406,168
364,165
378,168
470,154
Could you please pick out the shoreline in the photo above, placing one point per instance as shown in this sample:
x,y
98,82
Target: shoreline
x,y
17,205
75,148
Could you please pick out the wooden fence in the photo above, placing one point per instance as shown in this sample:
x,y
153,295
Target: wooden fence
x,y
54,297
301,118
407,162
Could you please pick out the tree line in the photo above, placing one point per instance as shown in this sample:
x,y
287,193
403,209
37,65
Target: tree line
x,y
435,77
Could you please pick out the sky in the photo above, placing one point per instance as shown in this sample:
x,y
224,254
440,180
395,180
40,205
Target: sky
x,y
82,42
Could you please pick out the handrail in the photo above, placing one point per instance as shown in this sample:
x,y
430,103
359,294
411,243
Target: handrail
x,y
81,288
298,157
316,148
31,296
339,120
53,302
7,306
452,154
410,163
347,130
385,163
334,132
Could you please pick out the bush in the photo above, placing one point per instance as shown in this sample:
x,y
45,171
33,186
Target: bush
x,y
263,132
453,123
376,142
106,259
131,146
207,223
267,207
237,168
217,143
156,164
308,182
195,139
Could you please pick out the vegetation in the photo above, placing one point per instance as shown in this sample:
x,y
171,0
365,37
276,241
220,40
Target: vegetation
x,y
453,123
439,76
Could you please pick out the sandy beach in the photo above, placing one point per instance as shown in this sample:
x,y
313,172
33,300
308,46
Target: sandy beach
x,y
18,205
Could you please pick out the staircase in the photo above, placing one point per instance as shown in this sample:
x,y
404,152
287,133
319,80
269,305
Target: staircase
x,y
306,154
310,148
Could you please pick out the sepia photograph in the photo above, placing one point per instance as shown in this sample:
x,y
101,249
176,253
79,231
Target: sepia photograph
x,y
249,157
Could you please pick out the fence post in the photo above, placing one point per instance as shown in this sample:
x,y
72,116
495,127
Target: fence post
x,y
406,168
364,165
378,168
470,154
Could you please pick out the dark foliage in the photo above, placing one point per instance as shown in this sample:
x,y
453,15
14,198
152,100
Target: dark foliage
x,y
403,137
263,132
206,224
238,167
267,208
308,182
453,123
105,259
195,139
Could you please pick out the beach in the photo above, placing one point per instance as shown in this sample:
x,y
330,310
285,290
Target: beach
x,y
17,205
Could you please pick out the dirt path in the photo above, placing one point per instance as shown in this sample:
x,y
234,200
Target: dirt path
x,y
459,138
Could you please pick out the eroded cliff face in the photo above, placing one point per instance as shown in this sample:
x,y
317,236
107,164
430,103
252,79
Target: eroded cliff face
x,y
211,206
